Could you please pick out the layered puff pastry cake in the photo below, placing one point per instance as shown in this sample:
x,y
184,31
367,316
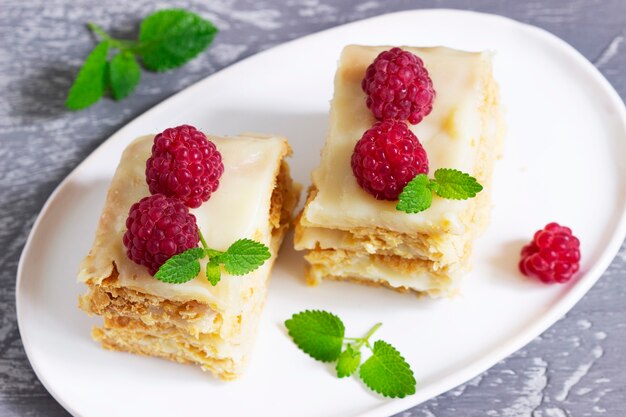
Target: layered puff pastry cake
x,y
192,322
352,236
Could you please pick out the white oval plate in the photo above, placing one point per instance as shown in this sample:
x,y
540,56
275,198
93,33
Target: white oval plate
x,y
564,161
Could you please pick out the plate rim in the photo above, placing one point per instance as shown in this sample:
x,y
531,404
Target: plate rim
x,y
565,304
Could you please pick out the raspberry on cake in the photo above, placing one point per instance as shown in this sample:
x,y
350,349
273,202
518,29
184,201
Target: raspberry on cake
x,y
157,228
398,87
185,165
386,158
193,322
349,227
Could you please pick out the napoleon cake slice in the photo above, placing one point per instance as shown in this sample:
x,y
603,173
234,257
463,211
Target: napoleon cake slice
x,y
192,322
350,235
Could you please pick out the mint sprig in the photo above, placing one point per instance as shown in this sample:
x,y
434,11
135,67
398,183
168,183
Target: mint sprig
x,y
448,183
320,334
167,39
241,258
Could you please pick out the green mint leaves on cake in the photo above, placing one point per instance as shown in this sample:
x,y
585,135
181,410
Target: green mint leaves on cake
x,y
321,335
241,258
182,267
167,39
455,185
448,183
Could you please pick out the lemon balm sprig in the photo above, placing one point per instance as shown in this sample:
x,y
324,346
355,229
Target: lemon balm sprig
x,y
448,183
167,39
241,258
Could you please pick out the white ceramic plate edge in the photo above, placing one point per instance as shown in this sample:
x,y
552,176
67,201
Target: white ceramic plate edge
x,y
584,283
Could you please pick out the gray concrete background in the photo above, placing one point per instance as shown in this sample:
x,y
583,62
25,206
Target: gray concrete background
x,y
576,368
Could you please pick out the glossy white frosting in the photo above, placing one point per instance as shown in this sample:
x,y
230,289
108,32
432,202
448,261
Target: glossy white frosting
x,y
450,135
238,209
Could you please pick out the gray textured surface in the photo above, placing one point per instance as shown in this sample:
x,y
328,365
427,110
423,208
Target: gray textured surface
x,y
574,369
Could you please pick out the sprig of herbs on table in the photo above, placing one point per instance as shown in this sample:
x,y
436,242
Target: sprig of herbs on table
x,y
167,39
321,335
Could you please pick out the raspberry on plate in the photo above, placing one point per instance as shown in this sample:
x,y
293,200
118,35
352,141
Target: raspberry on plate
x,y
552,256
386,158
398,87
185,165
158,228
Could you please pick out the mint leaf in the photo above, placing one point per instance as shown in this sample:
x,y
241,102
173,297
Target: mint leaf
x,y
416,196
90,83
124,74
213,273
387,373
169,38
182,267
456,185
348,362
244,256
317,333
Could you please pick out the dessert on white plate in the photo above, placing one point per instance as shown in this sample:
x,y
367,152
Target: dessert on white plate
x,y
350,235
195,321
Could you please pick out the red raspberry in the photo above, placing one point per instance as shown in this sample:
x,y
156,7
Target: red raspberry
x,y
398,87
185,165
158,228
386,158
552,256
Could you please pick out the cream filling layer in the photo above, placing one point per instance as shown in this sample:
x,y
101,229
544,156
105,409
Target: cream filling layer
x,y
367,269
443,249
238,209
450,135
